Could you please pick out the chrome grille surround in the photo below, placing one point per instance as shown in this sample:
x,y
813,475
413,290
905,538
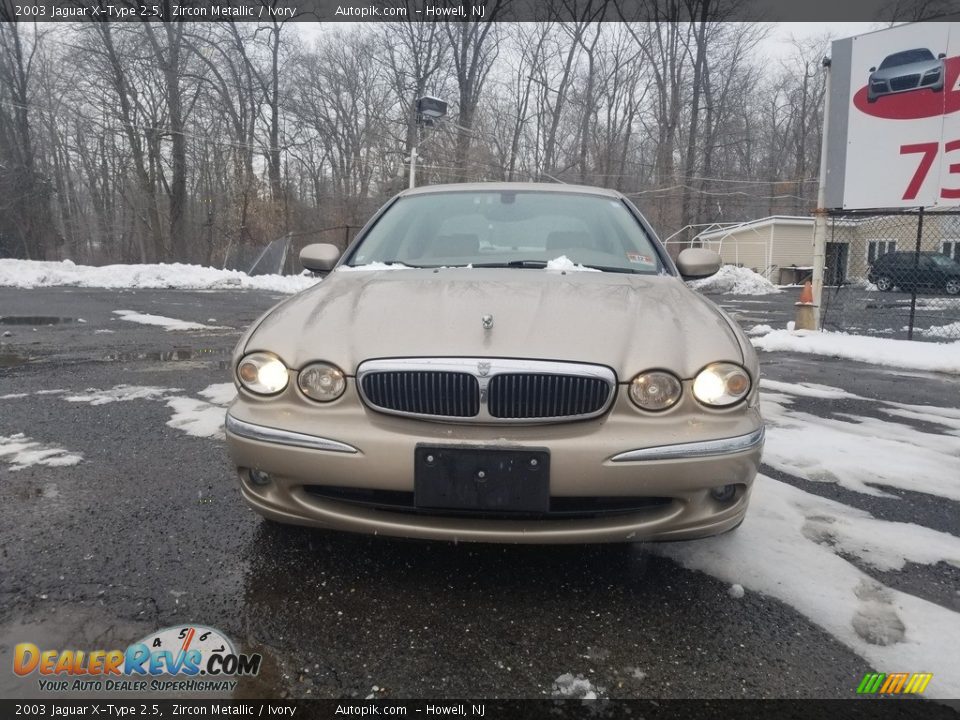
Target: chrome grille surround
x,y
579,390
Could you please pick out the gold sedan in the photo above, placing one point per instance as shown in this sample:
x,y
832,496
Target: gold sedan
x,y
500,363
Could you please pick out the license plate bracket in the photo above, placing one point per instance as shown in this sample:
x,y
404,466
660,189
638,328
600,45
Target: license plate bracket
x,y
453,477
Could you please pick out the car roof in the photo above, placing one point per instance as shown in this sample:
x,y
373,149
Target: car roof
x,y
514,187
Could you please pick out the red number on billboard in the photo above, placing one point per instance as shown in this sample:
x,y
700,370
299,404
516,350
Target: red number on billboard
x,y
929,151
954,169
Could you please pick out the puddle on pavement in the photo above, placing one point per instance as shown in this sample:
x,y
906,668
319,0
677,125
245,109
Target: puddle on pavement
x,y
34,320
8,360
177,355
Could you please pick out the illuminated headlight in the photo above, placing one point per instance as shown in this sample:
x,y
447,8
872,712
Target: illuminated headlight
x,y
721,384
655,390
262,373
322,382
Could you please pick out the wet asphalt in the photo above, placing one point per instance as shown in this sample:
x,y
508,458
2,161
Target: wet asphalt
x,y
149,531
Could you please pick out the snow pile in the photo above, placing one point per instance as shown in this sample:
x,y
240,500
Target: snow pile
x,y
166,323
565,263
860,453
794,546
21,452
733,280
759,330
374,266
943,331
35,273
120,393
202,418
568,686
940,357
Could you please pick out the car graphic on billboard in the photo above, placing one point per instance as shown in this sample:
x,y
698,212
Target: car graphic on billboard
x,y
906,71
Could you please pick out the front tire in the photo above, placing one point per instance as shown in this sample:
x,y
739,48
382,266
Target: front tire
x,y
953,286
884,283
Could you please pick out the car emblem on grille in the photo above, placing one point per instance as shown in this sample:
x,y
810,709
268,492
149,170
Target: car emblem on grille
x,y
487,321
483,368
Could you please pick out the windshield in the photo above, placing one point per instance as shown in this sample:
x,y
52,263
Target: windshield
x,y
906,57
504,228
944,262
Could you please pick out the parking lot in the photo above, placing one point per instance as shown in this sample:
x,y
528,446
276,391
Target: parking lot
x,y
119,515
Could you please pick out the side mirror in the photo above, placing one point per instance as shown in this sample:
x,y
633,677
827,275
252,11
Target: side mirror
x,y
941,56
696,263
873,69
319,257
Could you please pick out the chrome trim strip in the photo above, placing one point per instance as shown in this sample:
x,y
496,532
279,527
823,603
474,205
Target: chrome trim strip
x,y
491,366
284,437
693,450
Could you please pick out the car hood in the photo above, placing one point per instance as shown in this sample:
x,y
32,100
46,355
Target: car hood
x,y
628,322
909,69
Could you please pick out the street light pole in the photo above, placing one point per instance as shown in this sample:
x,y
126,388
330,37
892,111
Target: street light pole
x,y
413,164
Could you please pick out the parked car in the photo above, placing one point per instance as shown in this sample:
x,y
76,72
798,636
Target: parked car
x,y
906,71
500,363
910,270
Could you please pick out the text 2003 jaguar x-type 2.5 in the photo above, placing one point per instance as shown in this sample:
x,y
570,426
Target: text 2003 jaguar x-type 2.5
x,y
500,363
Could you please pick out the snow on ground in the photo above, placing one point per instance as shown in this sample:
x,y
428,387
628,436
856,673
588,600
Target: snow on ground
x,y
22,452
167,323
202,418
565,263
35,273
759,330
120,393
577,687
935,357
950,331
789,547
733,280
857,452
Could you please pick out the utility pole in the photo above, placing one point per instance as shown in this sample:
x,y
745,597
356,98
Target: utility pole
x,y
413,160
820,214
429,110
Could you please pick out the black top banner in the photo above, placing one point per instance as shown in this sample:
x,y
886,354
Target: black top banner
x,y
475,10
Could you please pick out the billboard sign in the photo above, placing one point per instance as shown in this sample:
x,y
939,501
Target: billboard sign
x,y
893,134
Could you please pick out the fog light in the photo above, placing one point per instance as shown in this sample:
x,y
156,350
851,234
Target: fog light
x,y
724,493
259,477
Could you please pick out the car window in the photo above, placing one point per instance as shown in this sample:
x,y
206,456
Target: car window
x,y
906,57
944,262
500,227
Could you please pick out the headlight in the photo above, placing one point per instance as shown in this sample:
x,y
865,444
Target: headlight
x,y
721,384
322,382
262,373
655,390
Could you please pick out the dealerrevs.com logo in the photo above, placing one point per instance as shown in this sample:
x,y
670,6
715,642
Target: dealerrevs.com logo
x,y
194,658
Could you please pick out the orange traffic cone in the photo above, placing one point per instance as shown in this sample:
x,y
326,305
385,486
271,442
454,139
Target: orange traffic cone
x,y
804,318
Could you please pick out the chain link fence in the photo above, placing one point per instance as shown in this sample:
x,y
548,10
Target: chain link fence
x,y
895,274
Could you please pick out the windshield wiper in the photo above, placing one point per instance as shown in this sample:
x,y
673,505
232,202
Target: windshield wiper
x,y
513,264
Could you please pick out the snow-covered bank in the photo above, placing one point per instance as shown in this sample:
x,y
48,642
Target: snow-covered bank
x,y
933,357
733,280
36,273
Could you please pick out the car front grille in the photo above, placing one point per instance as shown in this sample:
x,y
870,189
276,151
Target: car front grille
x,y
531,395
904,82
424,392
480,390
566,508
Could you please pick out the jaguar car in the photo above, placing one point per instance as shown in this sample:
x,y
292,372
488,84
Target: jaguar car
x,y
906,71
500,362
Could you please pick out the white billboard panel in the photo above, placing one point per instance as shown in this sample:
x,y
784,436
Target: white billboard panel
x,y
894,132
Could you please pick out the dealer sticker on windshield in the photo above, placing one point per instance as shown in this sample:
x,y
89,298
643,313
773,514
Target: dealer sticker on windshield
x,y
640,259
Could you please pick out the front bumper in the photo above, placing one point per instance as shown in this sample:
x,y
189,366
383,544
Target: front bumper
x,y
676,458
